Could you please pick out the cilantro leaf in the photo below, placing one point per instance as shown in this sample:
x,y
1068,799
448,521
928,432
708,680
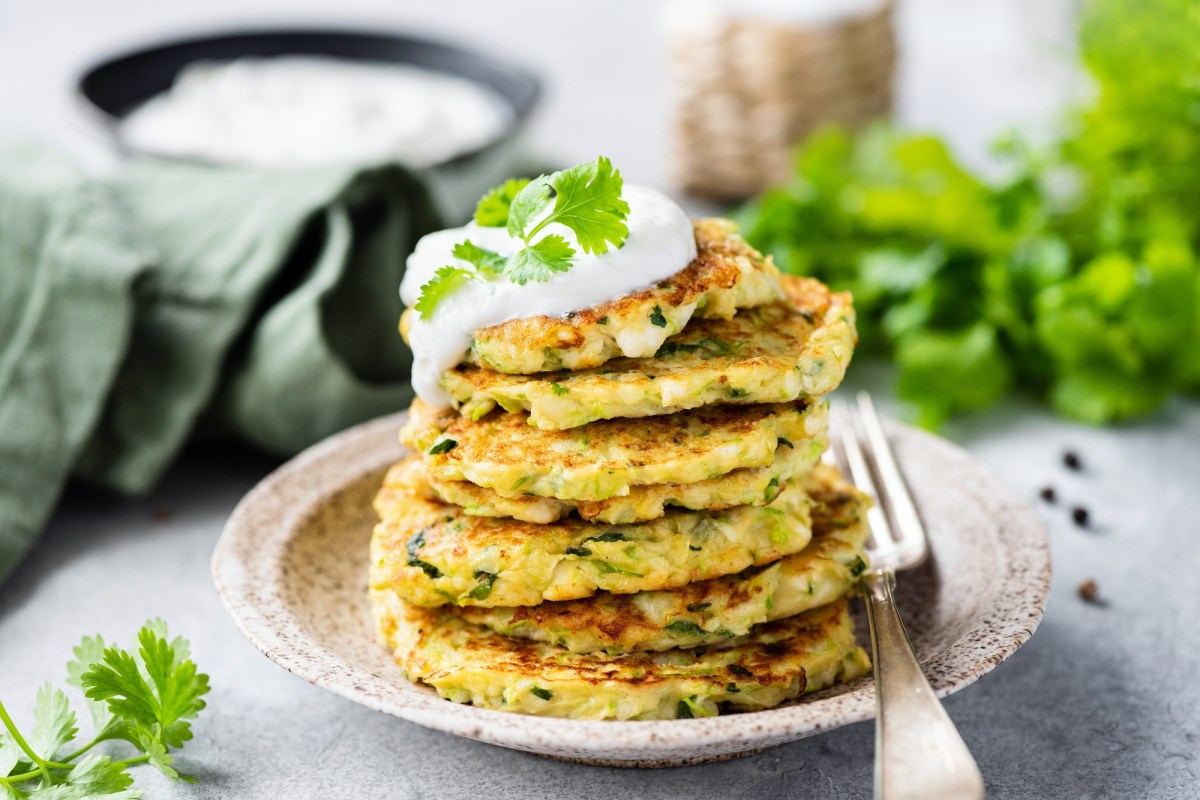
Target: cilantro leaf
x,y
150,741
94,777
528,203
1101,397
945,372
587,199
487,262
448,279
540,260
443,284
170,697
53,722
158,626
1083,260
69,792
10,754
144,697
492,210
90,650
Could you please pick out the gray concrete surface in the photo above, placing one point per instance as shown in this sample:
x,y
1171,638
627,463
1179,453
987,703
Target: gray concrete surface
x,y
1102,703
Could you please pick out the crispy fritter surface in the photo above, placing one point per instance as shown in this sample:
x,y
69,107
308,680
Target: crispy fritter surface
x,y
726,275
790,349
604,459
707,612
742,487
469,664
432,553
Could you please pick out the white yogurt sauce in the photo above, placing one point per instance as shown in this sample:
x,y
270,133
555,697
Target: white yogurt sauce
x,y
660,243
291,111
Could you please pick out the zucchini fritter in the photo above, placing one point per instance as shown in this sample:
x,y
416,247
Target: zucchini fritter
x,y
606,458
742,487
432,553
787,350
713,611
726,275
470,664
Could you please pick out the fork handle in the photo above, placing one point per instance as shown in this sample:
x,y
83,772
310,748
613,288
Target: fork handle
x,y
918,752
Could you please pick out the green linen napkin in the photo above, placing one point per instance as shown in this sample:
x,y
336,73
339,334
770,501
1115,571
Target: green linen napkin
x,y
263,302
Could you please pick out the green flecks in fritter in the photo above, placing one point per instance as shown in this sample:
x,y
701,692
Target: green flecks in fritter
x,y
415,543
426,567
610,569
611,536
486,579
688,709
685,627
772,489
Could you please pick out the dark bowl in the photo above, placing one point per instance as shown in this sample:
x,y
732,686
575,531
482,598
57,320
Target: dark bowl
x,y
116,86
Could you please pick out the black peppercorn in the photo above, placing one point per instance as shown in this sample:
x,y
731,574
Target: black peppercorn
x,y
1048,494
1080,515
1071,459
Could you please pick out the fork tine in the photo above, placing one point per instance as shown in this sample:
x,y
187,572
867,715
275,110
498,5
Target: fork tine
x,y
881,529
899,498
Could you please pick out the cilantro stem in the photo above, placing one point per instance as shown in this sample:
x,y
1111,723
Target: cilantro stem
x,y
537,228
28,776
24,776
44,766
83,749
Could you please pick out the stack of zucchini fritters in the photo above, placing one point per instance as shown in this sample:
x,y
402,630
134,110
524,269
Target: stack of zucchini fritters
x,y
597,536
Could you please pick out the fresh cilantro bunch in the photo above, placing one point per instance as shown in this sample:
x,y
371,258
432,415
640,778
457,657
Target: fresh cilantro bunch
x,y
1076,278
585,198
145,698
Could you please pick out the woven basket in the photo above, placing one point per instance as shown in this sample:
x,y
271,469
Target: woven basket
x,y
747,89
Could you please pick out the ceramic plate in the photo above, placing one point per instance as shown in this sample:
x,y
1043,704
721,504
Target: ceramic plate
x,y
291,567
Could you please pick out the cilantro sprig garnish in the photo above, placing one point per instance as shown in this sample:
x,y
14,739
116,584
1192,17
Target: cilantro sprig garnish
x,y
586,199
146,698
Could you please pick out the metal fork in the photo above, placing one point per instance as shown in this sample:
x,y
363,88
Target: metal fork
x,y
918,752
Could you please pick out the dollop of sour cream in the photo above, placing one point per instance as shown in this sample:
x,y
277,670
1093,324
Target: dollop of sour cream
x,y
660,243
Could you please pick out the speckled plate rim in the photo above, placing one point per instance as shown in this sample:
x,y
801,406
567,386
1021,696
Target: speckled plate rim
x,y
248,558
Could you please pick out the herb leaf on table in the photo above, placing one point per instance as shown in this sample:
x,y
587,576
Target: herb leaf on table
x,y
146,697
